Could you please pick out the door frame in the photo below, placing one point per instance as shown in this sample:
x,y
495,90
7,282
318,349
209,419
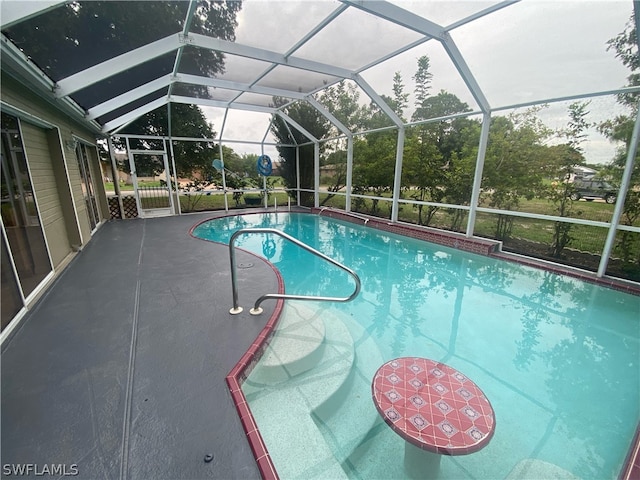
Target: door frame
x,y
152,212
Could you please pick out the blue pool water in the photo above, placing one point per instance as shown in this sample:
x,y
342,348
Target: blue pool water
x,y
557,357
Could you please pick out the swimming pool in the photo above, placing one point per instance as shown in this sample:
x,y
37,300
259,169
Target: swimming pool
x,y
557,357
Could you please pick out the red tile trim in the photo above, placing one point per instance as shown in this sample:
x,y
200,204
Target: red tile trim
x,y
428,234
631,469
481,246
239,373
613,283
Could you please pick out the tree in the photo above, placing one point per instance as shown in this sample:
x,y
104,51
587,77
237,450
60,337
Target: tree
x,y
567,156
460,171
625,45
400,98
374,166
317,125
92,32
187,121
342,100
445,158
514,163
422,79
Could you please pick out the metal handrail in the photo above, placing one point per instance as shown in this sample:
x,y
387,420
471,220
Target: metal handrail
x,y
256,310
344,212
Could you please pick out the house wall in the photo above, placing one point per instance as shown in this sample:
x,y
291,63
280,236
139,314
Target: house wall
x,y
55,168
48,136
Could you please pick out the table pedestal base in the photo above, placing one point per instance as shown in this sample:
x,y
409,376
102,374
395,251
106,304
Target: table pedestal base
x,y
420,463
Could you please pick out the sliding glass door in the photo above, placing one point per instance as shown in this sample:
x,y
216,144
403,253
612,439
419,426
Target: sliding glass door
x,y
25,259
88,188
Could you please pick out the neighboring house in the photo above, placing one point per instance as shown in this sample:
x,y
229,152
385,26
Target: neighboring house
x,y
52,194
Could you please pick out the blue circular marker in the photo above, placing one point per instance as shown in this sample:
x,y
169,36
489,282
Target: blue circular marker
x,y
217,164
264,165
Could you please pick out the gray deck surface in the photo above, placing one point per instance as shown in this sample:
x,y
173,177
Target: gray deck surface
x,y
120,367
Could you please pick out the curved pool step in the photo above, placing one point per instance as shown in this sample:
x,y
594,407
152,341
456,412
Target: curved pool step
x,y
297,347
533,469
348,415
282,409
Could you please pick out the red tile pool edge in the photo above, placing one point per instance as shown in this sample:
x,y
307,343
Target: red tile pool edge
x,y
631,469
239,373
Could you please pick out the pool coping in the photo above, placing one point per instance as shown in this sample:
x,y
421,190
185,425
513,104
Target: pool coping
x,y
482,246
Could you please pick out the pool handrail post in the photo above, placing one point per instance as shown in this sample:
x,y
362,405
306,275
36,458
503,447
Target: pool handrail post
x,y
256,310
234,284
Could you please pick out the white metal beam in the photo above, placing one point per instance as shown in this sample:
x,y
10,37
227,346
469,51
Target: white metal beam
x,y
243,87
191,11
395,53
477,176
118,64
128,97
602,93
399,16
464,70
377,99
255,53
132,115
419,24
298,127
314,31
399,145
218,104
12,55
18,65
168,79
397,175
13,11
480,14
622,194
329,116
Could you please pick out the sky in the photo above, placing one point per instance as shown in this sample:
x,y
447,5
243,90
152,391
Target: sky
x,y
530,51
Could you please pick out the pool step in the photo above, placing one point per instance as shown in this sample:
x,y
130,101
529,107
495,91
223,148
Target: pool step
x,y
297,347
532,468
348,415
282,403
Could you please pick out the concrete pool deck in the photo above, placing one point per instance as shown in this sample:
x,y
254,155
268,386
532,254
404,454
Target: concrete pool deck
x,y
119,370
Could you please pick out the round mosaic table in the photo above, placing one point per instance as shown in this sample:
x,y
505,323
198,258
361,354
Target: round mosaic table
x,y
433,407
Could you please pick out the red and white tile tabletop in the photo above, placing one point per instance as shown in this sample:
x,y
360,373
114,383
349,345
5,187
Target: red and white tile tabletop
x,y
433,406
